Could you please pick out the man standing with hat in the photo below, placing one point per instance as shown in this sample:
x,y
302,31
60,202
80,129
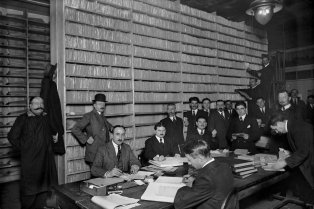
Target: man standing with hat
x,y
96,126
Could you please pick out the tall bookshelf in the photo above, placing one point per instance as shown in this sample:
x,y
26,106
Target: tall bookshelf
x,y
144,54
24,55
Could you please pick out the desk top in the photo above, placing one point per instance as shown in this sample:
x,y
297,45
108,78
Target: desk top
x,y
245,187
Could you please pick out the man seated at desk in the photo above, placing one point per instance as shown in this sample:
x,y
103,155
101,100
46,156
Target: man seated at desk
x,y
115,157
212,184
159,146
202,133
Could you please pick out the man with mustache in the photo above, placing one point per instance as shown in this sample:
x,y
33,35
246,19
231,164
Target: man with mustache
x,y
96,126
32,136
219,123
115,157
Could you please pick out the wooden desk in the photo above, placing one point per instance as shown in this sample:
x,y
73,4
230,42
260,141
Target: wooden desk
x,y
70,196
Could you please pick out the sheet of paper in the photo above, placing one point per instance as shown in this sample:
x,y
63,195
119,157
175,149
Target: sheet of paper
x,y
104,181
113,200
161,192
128,206
169,179
145,173
170,162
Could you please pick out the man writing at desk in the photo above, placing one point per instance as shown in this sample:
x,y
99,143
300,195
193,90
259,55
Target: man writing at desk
x,y
115,157
213,181
301,160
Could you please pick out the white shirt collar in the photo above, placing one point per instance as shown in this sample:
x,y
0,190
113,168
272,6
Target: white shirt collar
x,y
210,161
195,111
199,130
266,64
158,138
287,106
243,117
172,118
115,146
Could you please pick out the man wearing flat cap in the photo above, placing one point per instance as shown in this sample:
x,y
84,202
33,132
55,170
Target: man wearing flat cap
x,y
96,126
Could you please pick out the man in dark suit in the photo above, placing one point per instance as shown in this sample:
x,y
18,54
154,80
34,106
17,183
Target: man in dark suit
x,y
190,116
206,108
301,160
212,184
219,123
96,126
202,133
266,76
262,115
297,103
115,157
159,146
243,131
285,106
174,126
230,111
310,109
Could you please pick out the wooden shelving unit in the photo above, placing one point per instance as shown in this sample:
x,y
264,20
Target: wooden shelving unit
x,y
144,54
24,55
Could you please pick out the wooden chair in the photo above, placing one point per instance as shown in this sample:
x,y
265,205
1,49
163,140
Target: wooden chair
x,y
231,201
285,201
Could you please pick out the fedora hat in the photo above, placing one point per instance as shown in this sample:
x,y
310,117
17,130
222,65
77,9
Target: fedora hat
x,y
100,98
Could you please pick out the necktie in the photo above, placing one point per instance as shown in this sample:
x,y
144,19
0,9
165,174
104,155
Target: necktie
x,y
202,132
262,110
193,112
222,114
119,152
283,109
161,141
295,101
241,119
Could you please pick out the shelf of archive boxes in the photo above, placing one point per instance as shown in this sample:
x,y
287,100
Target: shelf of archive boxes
x,y
159,6
127,54
155,35
96,26
138,11
93,12
157,47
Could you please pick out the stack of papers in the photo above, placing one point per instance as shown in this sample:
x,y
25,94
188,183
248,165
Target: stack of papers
x,y
164,189
115,201
170,162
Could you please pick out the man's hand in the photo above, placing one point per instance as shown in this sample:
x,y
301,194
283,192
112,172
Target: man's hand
x,y
245,136
188,180
177,155
134,168
114,172
214,133
279,165
55,138
90,140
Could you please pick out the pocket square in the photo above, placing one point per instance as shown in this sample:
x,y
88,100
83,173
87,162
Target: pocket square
x,y
249,126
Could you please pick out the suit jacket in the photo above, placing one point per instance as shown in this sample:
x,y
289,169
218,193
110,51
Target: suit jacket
x,y
300,107
96,126
293,113
106,159
248,126
153,148
233,114
266,77
174,130
300,139
207,136
49,93
208,114
192,119
265,117
211,186
221,124
309,114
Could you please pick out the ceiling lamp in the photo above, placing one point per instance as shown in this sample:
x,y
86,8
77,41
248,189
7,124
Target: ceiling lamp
x,y
263,10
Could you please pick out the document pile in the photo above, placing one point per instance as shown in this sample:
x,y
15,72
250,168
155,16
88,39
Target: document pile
x,y
115,201
164,189
169,162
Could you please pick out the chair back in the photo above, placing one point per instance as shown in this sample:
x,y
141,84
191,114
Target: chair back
x,y
231,201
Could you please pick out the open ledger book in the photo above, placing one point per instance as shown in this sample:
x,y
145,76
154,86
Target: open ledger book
x,y
114,201
170,161
164,189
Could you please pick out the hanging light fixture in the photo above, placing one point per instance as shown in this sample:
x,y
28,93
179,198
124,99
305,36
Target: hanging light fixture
x,y
263,10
